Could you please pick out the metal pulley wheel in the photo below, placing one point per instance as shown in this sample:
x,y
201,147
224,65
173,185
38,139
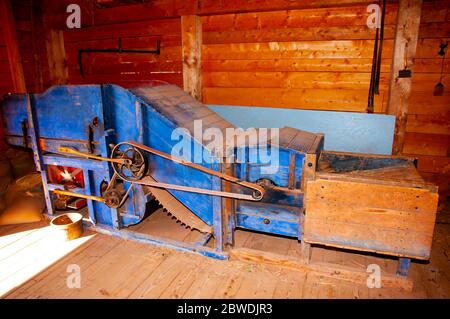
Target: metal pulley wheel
x,y
136,166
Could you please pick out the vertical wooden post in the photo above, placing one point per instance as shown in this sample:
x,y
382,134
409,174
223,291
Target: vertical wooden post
x,y
405,43
56,55
228,207
12,46
218,222
310,161
191,31
305,250
37,34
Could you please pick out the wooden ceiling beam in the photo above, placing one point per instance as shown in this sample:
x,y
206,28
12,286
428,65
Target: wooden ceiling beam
x,y
207,7
177,8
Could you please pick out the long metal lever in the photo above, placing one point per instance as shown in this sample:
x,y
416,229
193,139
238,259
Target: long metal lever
x,y
73,194
257,195
68,150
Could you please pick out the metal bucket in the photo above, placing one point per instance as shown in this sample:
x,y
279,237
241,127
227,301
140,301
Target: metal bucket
x,y
68,226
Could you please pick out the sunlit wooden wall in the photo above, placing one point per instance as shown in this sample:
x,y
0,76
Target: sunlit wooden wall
x,y
308,59
428,124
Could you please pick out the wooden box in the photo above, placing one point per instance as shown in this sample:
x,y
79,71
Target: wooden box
x,y
370,203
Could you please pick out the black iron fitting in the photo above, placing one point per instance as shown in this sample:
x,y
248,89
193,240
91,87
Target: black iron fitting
x,y
119,50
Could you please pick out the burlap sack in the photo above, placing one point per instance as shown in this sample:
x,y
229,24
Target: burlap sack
x,y
24,201
6,176
21,160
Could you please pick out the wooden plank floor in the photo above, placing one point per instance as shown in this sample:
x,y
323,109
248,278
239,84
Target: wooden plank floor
x,y
33,265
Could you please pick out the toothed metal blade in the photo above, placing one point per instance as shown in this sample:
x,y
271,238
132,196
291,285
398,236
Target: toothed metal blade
x,y
174,207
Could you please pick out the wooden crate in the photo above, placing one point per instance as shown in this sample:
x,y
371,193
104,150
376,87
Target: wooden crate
x,y
370,203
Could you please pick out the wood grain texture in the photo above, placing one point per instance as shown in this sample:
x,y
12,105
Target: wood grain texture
x,y
327,49
427,134
343,273
295,49
12,46
294,34
394,220
56,56
433,164
405,45
297,65
126,69
313,99
429,123
191,30
355,15
426,144
176,8
295,80
130,29
272,273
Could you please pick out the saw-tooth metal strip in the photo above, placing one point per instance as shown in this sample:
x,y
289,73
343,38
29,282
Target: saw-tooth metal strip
x,y
173,206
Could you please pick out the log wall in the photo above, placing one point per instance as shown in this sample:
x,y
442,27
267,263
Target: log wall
x,y
5,74
307,59
428,123
312,54
26,36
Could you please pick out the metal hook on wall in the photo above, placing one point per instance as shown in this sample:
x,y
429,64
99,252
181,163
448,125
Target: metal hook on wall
x,y
405,73
439,87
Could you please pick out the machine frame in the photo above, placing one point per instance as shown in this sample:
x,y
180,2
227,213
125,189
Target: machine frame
x,y
87,143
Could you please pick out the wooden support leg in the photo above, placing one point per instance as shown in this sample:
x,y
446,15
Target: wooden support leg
x,y
217,217
33,129
227,208
403,266
305,249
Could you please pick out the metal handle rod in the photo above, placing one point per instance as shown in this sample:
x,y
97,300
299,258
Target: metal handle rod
x,y
71,151
195,190
73,194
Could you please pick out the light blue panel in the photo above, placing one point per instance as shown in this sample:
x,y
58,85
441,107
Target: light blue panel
x,y
344,131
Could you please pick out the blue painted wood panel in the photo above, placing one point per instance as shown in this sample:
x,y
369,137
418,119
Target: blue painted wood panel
x,y
62,111
120,106
280,220
344,131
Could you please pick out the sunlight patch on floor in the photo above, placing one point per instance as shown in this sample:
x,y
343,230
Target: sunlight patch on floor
x,y
25,254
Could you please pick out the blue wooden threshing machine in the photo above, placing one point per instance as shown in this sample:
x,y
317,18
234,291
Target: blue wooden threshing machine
x,y
122,141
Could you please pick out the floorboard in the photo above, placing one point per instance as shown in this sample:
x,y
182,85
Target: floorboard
x,y
33,265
